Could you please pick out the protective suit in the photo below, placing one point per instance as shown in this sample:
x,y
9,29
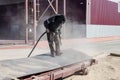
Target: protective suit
x,y
53,27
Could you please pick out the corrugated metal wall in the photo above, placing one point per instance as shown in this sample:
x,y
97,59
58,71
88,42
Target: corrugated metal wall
x,y
104,12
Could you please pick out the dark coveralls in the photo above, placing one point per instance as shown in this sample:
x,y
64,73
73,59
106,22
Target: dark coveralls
x,y
53,26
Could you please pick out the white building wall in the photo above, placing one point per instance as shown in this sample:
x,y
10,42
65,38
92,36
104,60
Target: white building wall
x,y
102,30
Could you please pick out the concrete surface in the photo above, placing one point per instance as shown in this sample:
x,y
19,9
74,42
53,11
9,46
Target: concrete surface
x,y
40,63
92,47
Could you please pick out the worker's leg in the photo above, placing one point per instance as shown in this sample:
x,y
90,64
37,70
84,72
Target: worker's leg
x,y
57,44
50,38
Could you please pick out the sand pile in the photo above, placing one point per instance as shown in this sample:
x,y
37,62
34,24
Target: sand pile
x,y
108,68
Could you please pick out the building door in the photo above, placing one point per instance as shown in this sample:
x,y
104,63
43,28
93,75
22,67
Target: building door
x,y
11,22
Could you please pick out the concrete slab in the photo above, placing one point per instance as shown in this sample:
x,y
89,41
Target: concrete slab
x,y
69,56
40,63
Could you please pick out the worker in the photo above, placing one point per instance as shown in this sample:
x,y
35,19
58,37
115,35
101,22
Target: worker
x,y
53,27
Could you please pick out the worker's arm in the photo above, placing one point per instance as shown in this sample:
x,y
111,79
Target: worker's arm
x,y
47,30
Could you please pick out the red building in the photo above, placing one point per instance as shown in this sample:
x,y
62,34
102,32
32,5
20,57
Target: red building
x,y
103,18
105,12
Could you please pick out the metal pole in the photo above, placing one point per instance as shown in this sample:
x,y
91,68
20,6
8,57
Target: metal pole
x,y
35,22
57,6
88,12
52,6
38,8
45,10
26,20
64,7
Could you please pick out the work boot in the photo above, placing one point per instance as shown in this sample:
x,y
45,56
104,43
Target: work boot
x,y
58,53
53,54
